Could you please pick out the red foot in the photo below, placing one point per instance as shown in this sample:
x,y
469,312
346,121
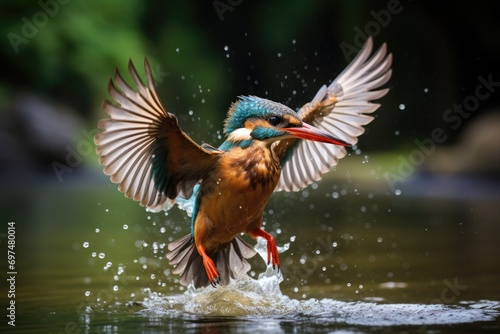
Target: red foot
x,y
272,250
213,275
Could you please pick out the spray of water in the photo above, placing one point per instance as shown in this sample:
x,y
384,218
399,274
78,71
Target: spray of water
x,y
248,297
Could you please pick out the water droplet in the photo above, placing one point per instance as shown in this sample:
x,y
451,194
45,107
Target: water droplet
x,y
292,238
334,244
97,230
177,50
115,287
102,255
226,47
397,192
396,132
348,285
380,239
125,227
426,90
279,54
87,293
86,244
402,106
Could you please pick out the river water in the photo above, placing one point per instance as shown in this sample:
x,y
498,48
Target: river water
x,y
353,260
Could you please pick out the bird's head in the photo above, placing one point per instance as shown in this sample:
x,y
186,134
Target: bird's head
x,y
256,119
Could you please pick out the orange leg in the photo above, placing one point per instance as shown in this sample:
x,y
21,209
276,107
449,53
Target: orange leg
x,y
213,275
272,250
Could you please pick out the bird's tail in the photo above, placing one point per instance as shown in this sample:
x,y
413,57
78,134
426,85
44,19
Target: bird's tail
x,y
230,259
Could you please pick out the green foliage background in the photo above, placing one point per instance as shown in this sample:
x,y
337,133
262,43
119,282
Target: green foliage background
x,y
283,50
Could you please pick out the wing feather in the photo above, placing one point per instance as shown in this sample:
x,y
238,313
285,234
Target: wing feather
x,y
143,148
340,109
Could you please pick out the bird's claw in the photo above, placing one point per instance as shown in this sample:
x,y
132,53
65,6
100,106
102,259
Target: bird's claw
x,y
272,249
215,281
213,276
208,263
272,253
275,266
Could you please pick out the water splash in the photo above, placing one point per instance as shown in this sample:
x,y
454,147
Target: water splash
x,y
245,297
250,298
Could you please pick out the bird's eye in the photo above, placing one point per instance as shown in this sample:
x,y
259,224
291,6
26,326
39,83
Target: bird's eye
x,y
274,120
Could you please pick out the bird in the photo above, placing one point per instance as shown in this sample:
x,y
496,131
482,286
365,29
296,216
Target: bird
x,y
268,147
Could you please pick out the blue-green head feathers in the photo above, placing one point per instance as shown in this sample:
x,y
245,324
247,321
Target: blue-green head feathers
x,y
254,118
253,107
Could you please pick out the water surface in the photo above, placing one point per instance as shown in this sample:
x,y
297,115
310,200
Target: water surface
x,y
91,261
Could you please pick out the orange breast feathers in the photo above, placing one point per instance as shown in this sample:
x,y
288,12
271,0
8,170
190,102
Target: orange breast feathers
x,y
234,197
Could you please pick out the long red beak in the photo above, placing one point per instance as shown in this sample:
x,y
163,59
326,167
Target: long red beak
x,y
309,132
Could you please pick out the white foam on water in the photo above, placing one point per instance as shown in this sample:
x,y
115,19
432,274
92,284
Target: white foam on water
x,y
250,298
245,298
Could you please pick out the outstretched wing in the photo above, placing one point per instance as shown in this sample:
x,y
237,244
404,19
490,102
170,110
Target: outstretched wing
x,y
339,109
143,148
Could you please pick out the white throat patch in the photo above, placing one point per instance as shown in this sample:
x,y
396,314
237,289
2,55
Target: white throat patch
x,y
239,135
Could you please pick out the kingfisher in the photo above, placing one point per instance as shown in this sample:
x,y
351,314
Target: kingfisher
x,y
268,147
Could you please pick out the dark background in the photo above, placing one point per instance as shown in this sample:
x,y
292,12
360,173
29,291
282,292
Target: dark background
x,y
58,55
425,230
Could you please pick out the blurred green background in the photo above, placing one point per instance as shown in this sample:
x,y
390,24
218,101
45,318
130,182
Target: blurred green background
x,y
58,55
